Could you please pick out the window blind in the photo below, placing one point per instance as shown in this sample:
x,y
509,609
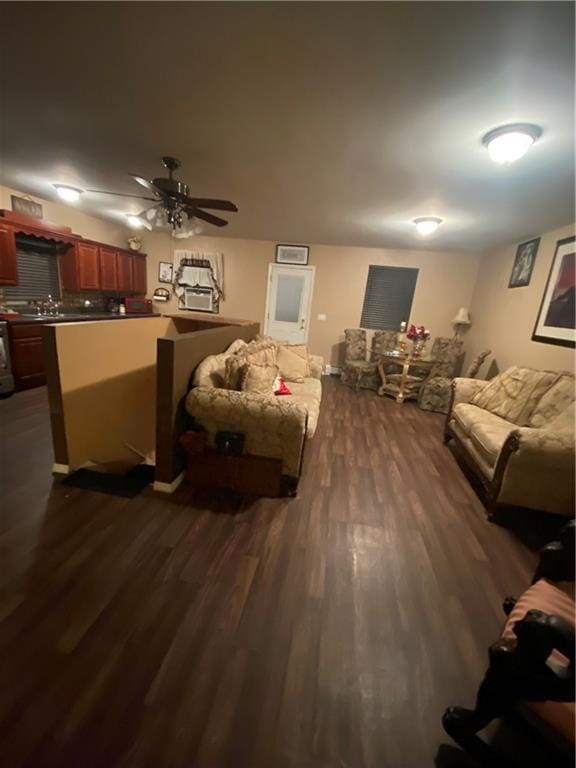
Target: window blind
x,y
388,297
37,273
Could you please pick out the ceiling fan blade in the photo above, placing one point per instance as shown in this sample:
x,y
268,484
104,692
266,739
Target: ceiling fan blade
x,y
206,217
143,182
217,205
120,194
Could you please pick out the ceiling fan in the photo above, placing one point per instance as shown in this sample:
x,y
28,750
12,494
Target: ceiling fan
x,y
172,204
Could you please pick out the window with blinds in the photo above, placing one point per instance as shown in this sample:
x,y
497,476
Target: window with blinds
x,y
37,272
388,297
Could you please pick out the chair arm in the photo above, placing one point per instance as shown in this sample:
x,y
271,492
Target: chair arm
x,y
316,366
274,427
464,389
537,470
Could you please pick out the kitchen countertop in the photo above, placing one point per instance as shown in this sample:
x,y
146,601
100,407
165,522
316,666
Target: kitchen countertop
x,y
76,318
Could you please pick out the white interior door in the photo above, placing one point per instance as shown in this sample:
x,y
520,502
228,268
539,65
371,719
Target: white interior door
x,y
288,302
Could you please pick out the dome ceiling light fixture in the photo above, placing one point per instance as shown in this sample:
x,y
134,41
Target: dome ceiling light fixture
x,y
69,194
426,225
509,143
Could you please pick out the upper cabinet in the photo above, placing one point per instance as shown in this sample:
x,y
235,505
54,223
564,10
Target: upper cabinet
x,y
88,267
108,269
124,271
8,268
139,282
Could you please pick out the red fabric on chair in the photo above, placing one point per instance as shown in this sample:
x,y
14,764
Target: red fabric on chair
x,y
544,596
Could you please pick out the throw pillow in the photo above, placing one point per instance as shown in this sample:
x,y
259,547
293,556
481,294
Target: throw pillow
x,y
292,366
258,378
514,394
211,371
260,354
236,346
554,402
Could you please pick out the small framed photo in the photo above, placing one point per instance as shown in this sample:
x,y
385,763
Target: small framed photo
x,y
524,263
556,323
292,254
165,272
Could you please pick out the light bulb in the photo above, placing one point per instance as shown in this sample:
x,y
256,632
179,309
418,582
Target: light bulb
x,y
426,225
135,222
69,194
510,142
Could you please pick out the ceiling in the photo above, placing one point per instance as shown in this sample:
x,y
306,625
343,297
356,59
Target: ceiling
x,y
324,122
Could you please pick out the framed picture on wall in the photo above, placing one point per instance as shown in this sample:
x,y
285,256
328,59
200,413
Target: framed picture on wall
x,y
165,272
292,254
524,263
556,319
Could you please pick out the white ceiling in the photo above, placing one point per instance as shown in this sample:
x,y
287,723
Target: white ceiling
x,y
324,122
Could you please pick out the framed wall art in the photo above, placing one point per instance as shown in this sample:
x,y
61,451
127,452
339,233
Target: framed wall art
x,y
524,263
165,272
292,254
556,319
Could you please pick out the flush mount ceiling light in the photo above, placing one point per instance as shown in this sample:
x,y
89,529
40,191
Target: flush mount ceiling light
x,y
510,142
70,194
426,225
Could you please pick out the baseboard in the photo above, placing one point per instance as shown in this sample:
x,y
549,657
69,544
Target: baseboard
x,y
331,370
168,487
60,469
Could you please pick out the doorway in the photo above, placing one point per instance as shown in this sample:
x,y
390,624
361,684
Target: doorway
x,y
289,302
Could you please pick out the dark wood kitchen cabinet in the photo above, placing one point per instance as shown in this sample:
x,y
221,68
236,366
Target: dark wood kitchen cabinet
x,y
124,271
27,356
8,267
108,269
139,281
80,268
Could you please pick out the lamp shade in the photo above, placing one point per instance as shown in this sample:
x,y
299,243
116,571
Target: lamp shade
x,y
462,317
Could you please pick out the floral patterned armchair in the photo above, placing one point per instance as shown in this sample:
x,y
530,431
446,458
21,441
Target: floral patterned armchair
x,y
437,390
357,371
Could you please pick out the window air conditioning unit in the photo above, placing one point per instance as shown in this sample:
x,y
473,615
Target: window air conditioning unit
x,y
199,299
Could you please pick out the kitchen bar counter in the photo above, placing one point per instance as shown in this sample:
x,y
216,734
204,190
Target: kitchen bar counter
x,y
75,318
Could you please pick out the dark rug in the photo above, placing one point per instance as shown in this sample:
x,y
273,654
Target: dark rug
x,y
127,486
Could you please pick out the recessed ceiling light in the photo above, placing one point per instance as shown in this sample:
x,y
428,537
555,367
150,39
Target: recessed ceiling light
x,y
135,221
510,142
70,194
426,225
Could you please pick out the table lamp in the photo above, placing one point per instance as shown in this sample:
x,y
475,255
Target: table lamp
x,y
461,321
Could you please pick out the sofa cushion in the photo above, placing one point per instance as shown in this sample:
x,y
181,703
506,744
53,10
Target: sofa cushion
x,y
564,422
211,371
258,378
514,394
544,596
489,436
237,346
260,353
554,401
470,416
293,367
308,393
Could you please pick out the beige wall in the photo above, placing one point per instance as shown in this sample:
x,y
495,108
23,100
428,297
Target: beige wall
x,y
503,318
71,216
445,283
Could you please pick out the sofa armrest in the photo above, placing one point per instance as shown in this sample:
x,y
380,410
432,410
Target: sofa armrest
x,y
316,366
274,427
537,470
465,389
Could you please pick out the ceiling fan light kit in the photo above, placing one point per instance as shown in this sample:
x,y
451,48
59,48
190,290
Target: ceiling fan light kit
x,y
67,193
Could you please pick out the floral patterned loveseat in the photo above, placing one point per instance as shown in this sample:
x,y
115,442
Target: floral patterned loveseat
x,y
273,426
516,431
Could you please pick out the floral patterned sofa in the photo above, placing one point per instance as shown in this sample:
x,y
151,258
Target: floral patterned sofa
x,y
516,431
273,426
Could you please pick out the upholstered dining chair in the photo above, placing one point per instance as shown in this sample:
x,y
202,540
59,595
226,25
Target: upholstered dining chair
x,y
437,389
445,351
357,371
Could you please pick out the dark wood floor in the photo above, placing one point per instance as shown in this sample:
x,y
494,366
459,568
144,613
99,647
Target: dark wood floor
x,y
329,630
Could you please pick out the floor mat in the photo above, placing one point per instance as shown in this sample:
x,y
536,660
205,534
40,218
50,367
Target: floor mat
x,y
127,486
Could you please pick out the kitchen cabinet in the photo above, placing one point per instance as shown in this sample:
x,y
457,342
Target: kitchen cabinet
x,y
139,281
8,267
107,259
27,356
88,267
124,271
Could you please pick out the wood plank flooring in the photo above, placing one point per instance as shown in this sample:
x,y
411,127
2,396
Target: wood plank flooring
x,y
329,630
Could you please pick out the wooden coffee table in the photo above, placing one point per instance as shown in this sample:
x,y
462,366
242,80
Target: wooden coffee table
x,y
405,362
